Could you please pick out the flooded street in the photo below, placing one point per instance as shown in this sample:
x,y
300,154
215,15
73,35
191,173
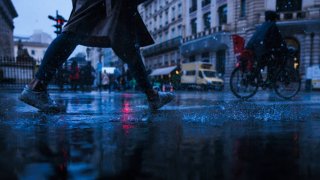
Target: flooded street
x,y
201,135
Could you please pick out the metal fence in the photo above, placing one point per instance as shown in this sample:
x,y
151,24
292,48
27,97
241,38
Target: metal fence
x,y
15,73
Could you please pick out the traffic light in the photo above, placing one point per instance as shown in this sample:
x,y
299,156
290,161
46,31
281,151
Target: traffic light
x,y
59,23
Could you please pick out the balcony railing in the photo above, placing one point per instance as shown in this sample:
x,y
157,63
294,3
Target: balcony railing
x,y
163,47
284,16
295,15
213,30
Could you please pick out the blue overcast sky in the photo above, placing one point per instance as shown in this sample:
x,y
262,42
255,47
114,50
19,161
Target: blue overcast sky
x,y
33,15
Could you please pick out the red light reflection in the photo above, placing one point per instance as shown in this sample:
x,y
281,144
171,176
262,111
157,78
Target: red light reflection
x,y
126,116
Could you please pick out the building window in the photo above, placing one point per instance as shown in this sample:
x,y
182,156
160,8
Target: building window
x,y
243,8
179,30
160,21
194,26
173,32
193,6
172,57
167,17
205,2
179,10
222,14
206,21
292,5
173,9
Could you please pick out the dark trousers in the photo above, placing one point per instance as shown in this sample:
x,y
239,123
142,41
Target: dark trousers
x,y
62,47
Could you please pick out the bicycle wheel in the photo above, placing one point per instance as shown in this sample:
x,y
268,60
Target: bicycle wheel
x,y
287,83
242,84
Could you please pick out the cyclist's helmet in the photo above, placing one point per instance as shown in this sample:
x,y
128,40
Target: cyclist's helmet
x,y
271,16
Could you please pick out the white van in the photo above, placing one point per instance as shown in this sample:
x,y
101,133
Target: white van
x,y
200,75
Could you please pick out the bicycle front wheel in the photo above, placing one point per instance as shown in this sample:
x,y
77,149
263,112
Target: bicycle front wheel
x,y
287,83
243,85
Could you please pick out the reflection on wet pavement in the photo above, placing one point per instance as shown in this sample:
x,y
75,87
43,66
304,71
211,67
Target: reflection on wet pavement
x,y
199,136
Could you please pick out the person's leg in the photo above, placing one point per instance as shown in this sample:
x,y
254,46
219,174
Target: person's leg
x,y
130,54
56,54
35,93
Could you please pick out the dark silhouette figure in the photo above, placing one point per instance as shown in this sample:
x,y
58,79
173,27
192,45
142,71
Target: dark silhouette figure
x,y
87,75
62,76
74,75
267,39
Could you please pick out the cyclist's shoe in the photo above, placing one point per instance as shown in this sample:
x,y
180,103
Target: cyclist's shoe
x,y
40,100
162,99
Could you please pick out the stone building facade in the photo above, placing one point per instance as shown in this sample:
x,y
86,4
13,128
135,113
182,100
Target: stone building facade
x,y
7,14
207,26
208,30
164,20
36,45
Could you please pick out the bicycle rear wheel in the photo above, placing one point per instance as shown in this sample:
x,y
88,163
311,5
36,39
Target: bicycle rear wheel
x,y
287,83
243,85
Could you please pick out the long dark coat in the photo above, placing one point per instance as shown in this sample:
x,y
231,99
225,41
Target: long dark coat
x,y
101,23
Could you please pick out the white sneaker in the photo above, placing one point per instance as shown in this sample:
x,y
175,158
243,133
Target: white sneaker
x,y
162,99
41,101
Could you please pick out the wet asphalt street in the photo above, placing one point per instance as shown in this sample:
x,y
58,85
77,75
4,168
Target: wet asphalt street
x,y
201,135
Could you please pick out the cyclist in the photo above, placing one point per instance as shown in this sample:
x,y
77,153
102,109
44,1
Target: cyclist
x,y
267,41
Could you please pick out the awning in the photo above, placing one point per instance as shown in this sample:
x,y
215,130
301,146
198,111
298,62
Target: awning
x,y
211,43
288,28
163,71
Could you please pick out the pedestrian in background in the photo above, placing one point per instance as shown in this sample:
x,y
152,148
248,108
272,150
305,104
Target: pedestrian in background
x,y
62,76
99,75
74,75
87,76
105,80
99,23
133,84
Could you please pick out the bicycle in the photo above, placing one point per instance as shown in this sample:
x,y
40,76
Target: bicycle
x,y
247,76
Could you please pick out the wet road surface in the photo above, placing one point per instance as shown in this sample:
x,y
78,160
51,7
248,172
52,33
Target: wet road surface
x,y
198,136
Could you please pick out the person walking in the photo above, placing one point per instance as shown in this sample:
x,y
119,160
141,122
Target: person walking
x,y
105,80
99,23
62,76
88,74
99,75
74,75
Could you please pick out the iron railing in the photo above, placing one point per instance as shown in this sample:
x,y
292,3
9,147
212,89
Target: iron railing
x,y
15,73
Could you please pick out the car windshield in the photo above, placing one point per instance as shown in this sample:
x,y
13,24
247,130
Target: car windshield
x,y
209,74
